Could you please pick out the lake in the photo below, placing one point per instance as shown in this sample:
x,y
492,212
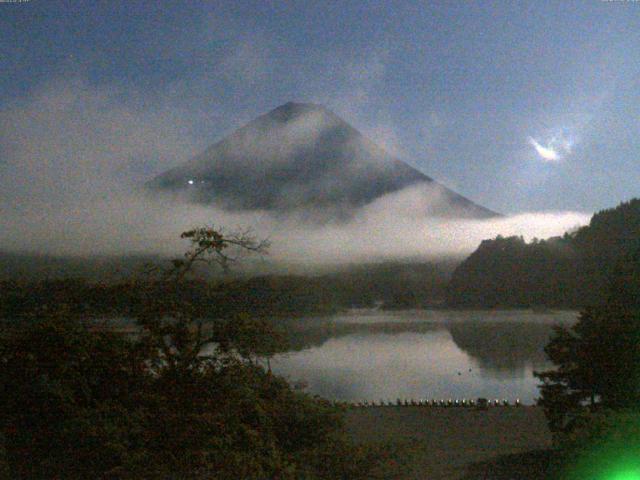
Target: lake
x,y
420,354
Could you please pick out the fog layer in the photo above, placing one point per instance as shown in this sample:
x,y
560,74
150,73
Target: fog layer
x,y
73,158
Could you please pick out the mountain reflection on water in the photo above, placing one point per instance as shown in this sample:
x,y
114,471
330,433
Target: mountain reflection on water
x,y
375,355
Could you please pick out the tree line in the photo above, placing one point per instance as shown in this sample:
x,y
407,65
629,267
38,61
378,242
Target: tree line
x,y
568,271
395,284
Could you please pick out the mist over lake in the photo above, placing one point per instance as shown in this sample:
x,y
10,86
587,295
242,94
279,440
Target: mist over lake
x,y
421,354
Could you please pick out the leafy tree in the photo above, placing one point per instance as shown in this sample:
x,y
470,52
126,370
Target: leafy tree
x,y
597,364
182,398
598,359
67,394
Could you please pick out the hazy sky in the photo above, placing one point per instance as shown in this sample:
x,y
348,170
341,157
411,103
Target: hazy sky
x,y
523,107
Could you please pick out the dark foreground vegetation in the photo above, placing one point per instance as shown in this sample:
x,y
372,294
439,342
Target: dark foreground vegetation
x,y
188,392
592,396
568,271
180,399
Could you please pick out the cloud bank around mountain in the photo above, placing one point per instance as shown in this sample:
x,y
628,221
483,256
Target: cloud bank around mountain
x,y
73,157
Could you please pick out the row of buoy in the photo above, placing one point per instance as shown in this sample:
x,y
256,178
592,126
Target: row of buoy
x,y
479,403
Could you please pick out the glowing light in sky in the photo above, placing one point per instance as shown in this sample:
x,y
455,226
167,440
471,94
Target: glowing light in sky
x,y
547,153
556,146
190,182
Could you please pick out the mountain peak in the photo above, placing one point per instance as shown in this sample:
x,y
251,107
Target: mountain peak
x,y
302,156
292,110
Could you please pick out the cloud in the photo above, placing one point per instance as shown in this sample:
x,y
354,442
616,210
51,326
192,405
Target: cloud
x,y
247,61
393,227
386,137
73,156
352,90
398,226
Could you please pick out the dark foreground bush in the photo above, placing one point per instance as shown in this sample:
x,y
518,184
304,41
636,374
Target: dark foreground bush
x,y
77,403
179,399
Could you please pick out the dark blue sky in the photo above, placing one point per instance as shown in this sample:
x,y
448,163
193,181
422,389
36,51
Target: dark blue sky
x,y
520,106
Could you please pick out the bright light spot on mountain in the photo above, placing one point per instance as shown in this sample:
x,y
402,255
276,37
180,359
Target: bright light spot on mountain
x,y
547,153
190,182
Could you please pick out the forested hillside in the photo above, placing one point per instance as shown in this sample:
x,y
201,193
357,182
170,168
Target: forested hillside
x,y
392,284
568,271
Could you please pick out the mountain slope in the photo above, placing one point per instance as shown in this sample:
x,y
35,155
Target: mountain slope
x,y
302,156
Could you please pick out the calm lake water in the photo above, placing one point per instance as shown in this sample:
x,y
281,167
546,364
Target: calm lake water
x,y
377,355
